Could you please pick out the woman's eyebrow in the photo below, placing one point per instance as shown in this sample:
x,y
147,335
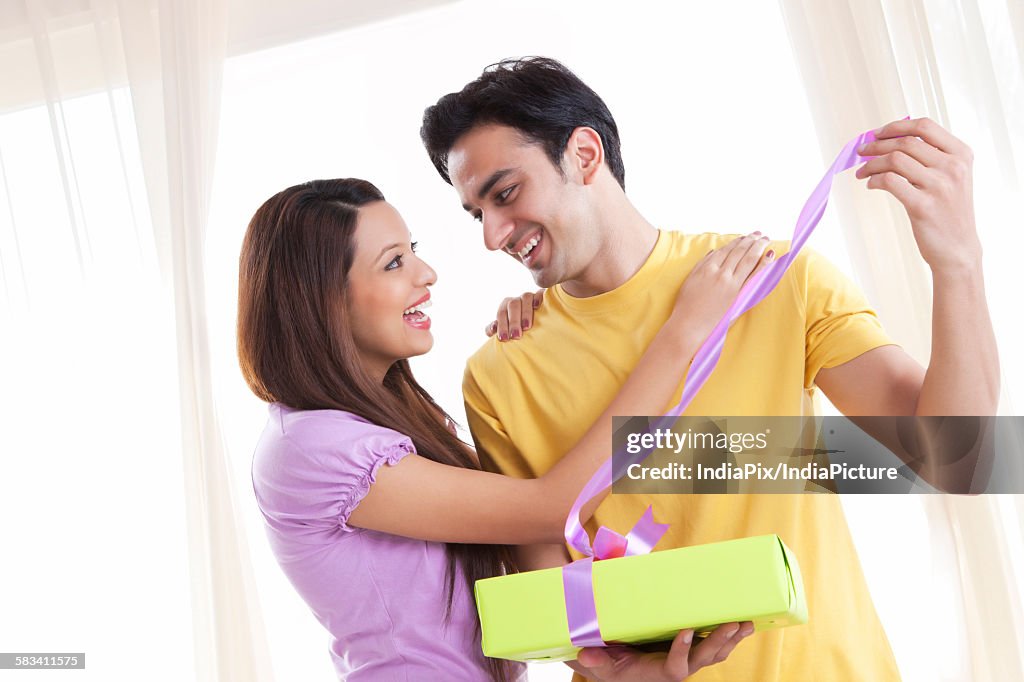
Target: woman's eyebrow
x,y
387,248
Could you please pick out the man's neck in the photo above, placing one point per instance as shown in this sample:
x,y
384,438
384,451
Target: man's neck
x,y
629,241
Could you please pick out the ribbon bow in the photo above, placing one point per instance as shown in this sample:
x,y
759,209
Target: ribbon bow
x,y
577,577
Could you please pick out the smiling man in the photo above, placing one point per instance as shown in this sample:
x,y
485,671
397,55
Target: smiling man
x,y
534,155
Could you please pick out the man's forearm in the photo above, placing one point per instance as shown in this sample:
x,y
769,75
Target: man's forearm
x,y
963,372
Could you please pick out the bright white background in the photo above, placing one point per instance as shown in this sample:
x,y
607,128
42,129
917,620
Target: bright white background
x,y
717,137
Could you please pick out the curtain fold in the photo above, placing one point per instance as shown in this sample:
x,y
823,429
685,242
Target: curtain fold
x,y
175,51
865,63
985,545
169,54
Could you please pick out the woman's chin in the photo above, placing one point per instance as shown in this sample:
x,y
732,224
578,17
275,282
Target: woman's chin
x,y
421,346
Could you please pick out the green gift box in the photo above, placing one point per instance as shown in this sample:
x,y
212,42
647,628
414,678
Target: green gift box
x,y
646,598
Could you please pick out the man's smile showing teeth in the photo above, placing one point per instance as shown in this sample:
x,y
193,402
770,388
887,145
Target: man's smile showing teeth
x,y
528,247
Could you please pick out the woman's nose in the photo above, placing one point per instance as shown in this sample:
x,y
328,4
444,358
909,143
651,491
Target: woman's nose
x,y
426,275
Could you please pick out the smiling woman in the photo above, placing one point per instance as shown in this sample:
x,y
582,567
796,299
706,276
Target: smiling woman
x,y
322,334
388,290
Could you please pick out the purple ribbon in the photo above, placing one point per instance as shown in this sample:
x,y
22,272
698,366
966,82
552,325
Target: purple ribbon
x,y
577,577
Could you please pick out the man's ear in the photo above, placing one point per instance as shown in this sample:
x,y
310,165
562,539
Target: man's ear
x,y
584,154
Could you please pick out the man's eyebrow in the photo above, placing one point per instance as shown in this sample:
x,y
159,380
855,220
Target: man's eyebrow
x,y
495,178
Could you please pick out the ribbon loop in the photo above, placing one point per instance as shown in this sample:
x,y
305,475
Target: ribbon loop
x,y
608,544
645,534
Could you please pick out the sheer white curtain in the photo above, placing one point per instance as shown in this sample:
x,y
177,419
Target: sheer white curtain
x,y
109,113
107,137
864,63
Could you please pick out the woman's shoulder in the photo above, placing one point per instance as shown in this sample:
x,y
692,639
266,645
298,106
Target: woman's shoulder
x,y
317,431
318,464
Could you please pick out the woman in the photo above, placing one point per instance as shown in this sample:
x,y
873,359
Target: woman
x,y
331,298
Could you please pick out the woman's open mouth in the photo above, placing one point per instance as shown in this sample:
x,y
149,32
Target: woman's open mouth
x,y
415,317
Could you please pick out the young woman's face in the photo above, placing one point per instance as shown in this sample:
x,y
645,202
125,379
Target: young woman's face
x,y
387,287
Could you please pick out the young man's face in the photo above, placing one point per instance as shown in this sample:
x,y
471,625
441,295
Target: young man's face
x,y
527,208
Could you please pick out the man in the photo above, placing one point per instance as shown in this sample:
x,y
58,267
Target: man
x,y
533,154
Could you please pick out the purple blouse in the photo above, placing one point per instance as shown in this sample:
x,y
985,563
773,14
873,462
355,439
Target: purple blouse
x,y
381,596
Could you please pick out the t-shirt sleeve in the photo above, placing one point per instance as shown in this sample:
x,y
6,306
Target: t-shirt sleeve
x,y
840,324
497,452
319,479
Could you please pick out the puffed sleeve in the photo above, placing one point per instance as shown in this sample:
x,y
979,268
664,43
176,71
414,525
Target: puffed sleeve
x,y
311,471
840,324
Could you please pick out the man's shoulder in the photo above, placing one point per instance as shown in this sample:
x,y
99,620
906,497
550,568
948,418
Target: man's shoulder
x,y
690,247
484,356
808,264
493,356
492,361
683,242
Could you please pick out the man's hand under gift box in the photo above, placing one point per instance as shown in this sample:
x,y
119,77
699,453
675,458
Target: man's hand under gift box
x,y
683,658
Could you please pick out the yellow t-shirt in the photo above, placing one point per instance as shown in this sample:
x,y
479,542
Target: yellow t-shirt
x,y
530,401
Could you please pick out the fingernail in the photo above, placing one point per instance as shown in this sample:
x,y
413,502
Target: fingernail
x,y
516,333
526,324
860,149
755,233
502,337
688,637
591,658
771,254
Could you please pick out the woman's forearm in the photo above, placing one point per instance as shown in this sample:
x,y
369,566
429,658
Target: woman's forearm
x,y
422,499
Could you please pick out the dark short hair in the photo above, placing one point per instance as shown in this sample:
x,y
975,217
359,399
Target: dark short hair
x,y
537,96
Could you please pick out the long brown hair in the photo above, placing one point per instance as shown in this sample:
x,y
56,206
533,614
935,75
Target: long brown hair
x,y
295,344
